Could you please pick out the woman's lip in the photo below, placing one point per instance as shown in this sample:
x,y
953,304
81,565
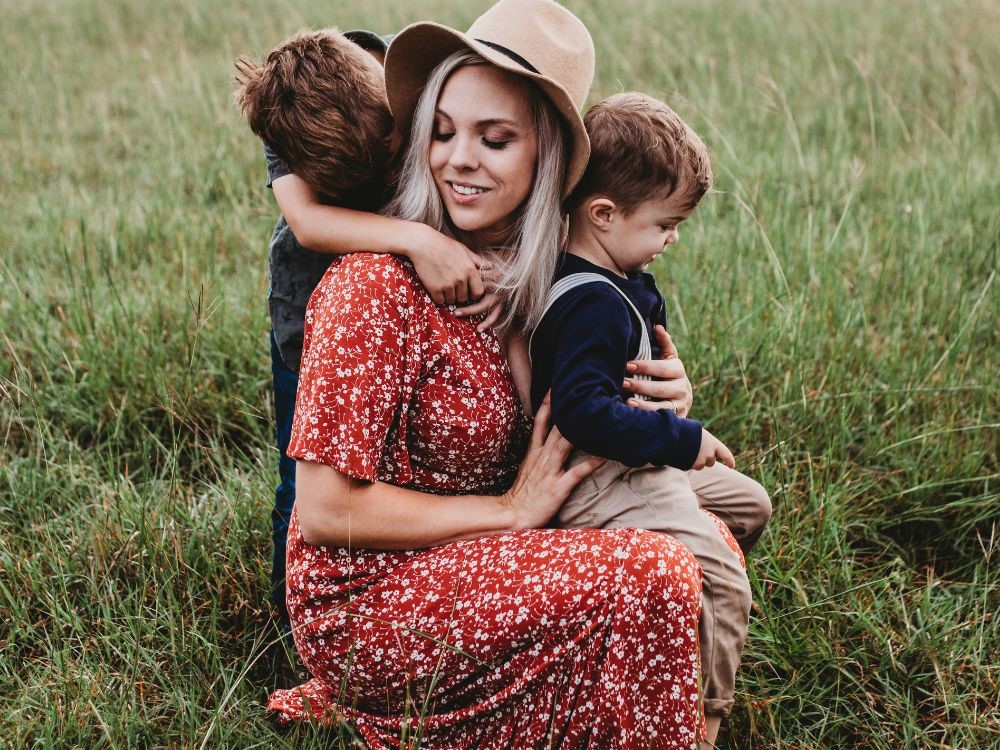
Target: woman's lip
x,y
463,199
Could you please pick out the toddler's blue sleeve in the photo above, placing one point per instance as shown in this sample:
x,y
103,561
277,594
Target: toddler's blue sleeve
x,y
590,335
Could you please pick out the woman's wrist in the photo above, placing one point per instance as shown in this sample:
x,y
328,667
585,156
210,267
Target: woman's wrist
x,y
508,516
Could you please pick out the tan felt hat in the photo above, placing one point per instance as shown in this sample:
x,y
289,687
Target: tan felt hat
x,y
537,39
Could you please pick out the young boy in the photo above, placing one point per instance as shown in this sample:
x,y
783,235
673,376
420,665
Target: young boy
x,y
647,173
318,102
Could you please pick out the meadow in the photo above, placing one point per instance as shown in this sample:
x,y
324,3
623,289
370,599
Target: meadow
x,y
836,302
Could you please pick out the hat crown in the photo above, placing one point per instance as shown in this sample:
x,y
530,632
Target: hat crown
x,y
554,41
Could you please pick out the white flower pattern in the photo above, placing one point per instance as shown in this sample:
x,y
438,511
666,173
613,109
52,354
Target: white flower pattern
x,y
539,638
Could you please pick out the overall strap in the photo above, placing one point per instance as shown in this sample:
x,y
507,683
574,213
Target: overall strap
x,y
575,280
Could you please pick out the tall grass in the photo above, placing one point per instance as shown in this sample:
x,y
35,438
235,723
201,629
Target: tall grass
x,y
836,303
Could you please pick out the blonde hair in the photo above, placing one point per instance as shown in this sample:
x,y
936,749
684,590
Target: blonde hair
x,y
528,260
640,149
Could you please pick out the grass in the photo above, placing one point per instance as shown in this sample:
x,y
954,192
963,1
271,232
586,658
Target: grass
x,y
836,302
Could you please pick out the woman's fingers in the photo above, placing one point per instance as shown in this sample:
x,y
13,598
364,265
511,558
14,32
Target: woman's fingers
x,y
658,390
664,369
476,286
558,446
583,469
492,316
541,429
666,344
653,405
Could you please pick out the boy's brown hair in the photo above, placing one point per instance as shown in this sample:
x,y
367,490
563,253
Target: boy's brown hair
x,y
641,150
319,102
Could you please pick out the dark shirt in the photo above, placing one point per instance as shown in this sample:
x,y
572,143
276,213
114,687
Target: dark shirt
x,y
580,350
295,271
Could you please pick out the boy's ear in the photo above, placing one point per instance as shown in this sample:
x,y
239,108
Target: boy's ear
x,y
601,212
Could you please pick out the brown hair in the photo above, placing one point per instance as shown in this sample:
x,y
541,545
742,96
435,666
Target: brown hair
x,y
319,102
640,149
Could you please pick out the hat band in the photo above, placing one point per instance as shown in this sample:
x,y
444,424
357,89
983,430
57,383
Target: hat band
x,y
511,54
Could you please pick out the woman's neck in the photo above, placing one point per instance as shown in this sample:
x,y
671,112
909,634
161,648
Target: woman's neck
x,y
487,239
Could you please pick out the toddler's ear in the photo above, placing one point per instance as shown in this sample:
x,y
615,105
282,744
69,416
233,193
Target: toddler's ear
x,y
601,212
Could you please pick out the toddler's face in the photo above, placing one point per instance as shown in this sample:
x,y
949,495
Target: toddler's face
x,y
635,240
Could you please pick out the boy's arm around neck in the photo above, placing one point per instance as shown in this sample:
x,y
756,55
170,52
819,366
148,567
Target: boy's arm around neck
x,y
448,269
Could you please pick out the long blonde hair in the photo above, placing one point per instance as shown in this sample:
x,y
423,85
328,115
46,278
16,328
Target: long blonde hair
x,y
528,260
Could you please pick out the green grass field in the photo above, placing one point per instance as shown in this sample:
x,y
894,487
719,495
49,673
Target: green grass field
x,y
836,303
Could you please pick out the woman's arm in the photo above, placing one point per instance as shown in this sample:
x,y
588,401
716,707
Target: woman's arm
x,y
448,269
336,510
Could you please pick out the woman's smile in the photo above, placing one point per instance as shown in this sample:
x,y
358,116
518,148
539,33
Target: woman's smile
x,y
466,194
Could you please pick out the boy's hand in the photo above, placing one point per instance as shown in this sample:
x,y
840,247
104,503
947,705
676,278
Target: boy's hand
x,y
490,303
670,388
712,450
447,268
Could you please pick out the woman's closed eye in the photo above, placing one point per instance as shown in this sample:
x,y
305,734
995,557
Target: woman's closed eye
x,y
496,145
442,135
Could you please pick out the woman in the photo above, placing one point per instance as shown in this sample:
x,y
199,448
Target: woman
x,y
426,597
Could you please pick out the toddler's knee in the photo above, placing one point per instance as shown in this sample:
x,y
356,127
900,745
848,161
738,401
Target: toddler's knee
x,y
760,504
757,506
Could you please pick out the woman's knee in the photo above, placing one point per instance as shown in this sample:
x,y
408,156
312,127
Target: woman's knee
x,y
664,569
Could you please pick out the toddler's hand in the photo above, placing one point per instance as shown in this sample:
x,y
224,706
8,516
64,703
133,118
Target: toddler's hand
x,y
712,450
448,269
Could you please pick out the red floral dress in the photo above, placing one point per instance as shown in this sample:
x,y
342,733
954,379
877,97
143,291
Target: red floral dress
x,y
530,639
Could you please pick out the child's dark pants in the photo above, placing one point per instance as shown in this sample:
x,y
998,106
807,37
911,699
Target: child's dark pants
x,y
286,383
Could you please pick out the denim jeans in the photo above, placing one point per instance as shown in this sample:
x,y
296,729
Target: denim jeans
x,y
285,384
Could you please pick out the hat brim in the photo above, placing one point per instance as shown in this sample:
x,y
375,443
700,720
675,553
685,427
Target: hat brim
x,y
419,48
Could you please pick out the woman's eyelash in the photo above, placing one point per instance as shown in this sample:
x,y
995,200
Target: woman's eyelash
x,y
495,145
439,136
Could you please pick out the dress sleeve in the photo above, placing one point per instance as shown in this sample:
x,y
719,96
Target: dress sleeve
x,y
358,368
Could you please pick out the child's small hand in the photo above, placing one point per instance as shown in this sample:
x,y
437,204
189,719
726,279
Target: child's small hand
x,y
712,450
448,269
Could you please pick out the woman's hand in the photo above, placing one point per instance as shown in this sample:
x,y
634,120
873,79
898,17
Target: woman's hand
x,y
449,271
670,388
544,482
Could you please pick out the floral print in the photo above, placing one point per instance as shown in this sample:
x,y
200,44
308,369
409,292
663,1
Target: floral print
x,y
530,639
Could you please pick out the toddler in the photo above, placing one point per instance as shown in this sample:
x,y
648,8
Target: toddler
x,y
647,173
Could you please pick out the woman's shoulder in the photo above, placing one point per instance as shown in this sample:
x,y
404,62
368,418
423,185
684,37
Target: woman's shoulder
x,y
378,266
370,276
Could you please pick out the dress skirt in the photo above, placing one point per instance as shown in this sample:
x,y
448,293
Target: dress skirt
x,y
531,639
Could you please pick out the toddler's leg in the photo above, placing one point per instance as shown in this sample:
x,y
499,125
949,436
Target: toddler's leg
x,y
661,499
285,384
741,503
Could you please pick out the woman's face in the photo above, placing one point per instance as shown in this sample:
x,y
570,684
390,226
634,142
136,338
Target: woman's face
x,y
483,150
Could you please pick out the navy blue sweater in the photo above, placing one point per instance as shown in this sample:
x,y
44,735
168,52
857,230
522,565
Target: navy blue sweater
x,y
580,350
